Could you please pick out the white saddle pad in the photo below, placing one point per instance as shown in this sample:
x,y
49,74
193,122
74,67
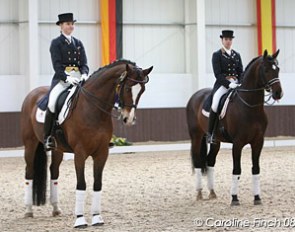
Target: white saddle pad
x,y
40,114
223,111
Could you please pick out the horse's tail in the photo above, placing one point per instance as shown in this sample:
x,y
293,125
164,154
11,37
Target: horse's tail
x,y
203,154
40,176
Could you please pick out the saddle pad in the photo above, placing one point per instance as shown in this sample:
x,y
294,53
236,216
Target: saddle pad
x,y
222,105
40,114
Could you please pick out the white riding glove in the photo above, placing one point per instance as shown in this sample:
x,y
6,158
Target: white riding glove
x,y
84,77
233,85
72,80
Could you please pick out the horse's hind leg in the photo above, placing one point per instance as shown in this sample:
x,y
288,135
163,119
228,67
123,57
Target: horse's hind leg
x,y
256,150
211,159
56,159
198,154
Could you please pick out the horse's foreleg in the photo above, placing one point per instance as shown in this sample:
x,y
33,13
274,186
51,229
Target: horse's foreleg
x,y
98,165
56,159
256,150
29,175
80,191
237,150
211,159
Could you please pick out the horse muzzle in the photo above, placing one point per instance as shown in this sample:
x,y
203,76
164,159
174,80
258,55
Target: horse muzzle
x,y
129,118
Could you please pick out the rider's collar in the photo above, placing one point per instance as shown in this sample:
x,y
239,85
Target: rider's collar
x,y
69,37
228,51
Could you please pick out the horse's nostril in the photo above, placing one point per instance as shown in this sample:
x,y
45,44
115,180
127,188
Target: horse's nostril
x,y
125,120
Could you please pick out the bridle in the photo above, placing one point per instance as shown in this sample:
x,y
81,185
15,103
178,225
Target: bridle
x,y
98,103
122,86
267,85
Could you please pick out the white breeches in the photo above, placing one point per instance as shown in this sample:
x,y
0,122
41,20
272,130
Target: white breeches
x,y
218,94
57,90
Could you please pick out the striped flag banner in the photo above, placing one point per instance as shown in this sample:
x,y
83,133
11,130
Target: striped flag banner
x,y
111,30
266,26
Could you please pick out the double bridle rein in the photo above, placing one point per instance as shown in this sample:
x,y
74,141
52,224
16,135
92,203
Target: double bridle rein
x,y
104,106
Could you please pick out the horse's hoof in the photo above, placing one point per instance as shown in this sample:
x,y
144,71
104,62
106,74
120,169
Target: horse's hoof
x,y
80,222
81,226
28,215
235,203
97,220
257,202
212,195
199,196
56,213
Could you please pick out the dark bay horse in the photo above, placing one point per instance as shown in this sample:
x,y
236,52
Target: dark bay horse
x,y
244,123
88,131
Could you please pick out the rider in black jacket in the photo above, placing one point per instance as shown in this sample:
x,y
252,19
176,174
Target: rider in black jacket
x,y
228,68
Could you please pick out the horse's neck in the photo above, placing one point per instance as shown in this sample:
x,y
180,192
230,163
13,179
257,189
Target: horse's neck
x,y
251,80
104,85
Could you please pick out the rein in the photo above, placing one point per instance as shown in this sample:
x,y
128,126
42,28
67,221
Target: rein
x,y
98,103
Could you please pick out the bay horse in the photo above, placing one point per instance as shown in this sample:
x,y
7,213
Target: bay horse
x,y
244,123
87,130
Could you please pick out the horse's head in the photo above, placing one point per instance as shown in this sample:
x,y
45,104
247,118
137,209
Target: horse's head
x,y
130,88
270,75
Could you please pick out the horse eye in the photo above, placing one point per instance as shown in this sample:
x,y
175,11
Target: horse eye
x,y
274,67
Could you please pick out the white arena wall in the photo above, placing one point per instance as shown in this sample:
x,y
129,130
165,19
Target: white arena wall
x,y
177,37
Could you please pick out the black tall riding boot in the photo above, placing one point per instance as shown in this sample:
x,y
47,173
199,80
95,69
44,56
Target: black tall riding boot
x,y
211,127
49,142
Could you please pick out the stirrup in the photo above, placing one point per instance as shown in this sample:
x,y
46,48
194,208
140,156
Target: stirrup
x,y
49,143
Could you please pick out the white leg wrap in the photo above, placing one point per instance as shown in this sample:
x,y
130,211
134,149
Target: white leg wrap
x,y
53,192
96,202
210,176
80,197
198,179
28,192
256,184
235,184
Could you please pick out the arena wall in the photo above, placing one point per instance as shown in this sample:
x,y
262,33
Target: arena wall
x,y
167,34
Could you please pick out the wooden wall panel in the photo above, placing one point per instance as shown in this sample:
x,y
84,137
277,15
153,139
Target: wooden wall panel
x,y
156,125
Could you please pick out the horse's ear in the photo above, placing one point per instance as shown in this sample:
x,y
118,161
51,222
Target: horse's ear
x,y
265,53
128,69
147,71
274,56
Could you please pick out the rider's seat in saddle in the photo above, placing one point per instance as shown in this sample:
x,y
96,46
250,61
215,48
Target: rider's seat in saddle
x,y
43,102
208,102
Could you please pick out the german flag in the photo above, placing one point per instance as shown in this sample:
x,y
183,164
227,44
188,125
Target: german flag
x,y
266,26
111,30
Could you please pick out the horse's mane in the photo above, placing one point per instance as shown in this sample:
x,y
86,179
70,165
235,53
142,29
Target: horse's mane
x,y
114,63
251,62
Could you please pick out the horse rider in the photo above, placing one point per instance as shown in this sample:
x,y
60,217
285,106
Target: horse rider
x,y
228,68
70,65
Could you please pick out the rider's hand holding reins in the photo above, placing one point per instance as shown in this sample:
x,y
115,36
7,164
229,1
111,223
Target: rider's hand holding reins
x,y
84,77
233,85
72,80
